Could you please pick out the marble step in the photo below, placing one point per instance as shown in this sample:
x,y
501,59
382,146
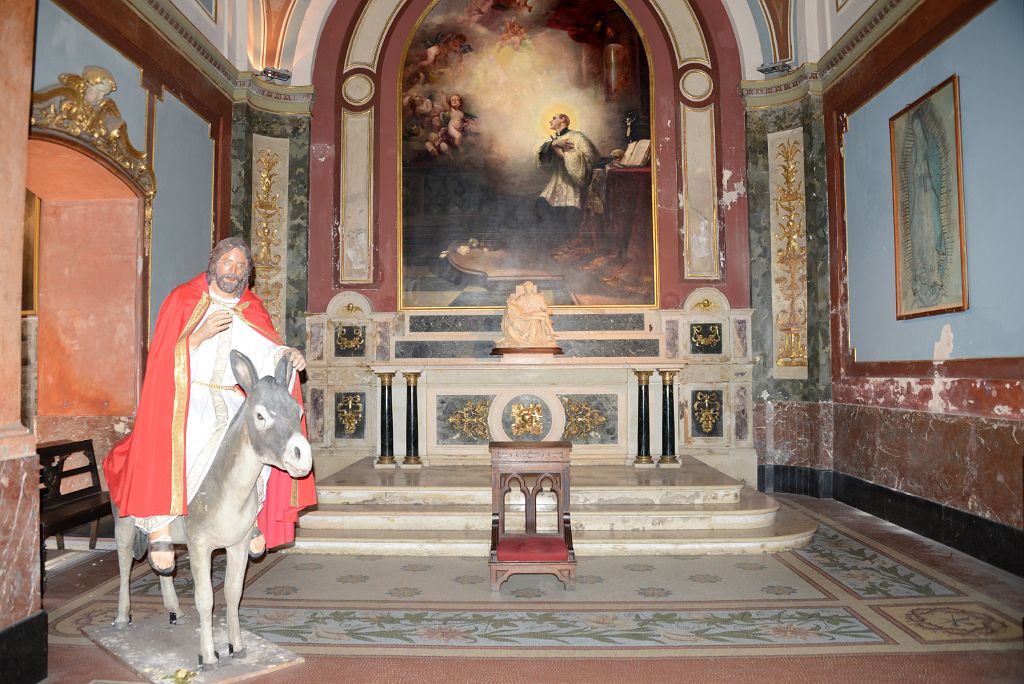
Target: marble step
x,y
790,530
725,493
754,510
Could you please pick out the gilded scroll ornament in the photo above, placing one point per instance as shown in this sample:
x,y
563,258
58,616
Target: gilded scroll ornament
x,y
713,337
350,412
471,420
791,258
526,419
349,337
80,108
707,408
581,419
266,209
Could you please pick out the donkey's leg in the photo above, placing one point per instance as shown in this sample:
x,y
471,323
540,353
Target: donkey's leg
x,y
170,599
238,558
124,535
199,560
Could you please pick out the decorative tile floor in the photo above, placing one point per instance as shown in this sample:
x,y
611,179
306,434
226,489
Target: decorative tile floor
x,y
850,592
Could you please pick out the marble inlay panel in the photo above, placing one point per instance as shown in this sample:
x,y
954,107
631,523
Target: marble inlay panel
x,y
966,462
481,349
315,415
350,415
383,352
590,418
462,418
700,188
19,538
526,417
741,417
315,341
355,232
492,323
672,338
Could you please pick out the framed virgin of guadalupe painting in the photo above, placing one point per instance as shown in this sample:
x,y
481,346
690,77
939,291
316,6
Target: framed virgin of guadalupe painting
x,y
928,204
525,156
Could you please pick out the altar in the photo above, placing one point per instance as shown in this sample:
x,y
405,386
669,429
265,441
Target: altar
x,y
634,387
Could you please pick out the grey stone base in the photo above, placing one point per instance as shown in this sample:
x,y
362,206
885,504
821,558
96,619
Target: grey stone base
x,y
157,650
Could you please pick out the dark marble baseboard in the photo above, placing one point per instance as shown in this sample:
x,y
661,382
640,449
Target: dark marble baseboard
x,y
23,650
787,479
995,543
492,323
481,349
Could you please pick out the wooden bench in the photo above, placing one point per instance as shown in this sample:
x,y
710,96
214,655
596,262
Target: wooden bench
x,y
69,495
530,469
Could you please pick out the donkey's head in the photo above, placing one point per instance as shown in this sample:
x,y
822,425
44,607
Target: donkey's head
x,y
273,418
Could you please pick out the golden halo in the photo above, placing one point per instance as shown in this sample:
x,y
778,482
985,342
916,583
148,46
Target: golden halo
x,y
558,108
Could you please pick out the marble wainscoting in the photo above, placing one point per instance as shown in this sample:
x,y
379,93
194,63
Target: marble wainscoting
x,y
965,462
22,622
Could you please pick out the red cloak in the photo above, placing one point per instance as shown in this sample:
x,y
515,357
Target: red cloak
x,y
146,470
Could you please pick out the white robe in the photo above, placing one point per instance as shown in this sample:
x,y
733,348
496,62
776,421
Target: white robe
x,y
213,401
571,171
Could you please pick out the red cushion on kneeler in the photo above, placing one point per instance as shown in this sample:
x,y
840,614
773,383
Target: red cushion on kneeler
x,y
532,548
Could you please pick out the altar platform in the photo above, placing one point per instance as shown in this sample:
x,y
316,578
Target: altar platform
x,y
617,510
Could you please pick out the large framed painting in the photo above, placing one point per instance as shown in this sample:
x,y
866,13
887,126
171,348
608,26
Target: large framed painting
x,y
928,204
525,155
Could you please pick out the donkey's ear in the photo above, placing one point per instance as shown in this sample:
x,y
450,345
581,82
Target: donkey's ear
x,y
245,372
283,371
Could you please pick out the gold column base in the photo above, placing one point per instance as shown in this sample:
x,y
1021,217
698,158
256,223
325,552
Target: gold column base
x,y
643,461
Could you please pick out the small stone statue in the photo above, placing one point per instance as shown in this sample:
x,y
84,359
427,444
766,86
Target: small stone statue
x,y
527,321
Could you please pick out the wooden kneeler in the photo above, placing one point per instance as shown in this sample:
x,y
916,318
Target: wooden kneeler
x,y
530,468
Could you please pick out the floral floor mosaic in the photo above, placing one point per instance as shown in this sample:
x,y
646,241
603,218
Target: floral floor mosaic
x,y
841,592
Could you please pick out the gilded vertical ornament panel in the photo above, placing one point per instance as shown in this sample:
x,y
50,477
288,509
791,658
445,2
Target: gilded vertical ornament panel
x,y
788,253
270,223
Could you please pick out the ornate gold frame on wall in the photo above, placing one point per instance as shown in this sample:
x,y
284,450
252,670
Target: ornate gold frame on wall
x,y
907,245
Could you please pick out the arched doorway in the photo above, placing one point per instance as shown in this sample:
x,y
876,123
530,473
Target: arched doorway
x,y
85,335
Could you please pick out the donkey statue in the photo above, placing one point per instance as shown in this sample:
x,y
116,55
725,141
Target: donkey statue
x,y
266,430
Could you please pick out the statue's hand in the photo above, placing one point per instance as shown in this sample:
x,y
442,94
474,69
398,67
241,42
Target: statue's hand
x,y
296,358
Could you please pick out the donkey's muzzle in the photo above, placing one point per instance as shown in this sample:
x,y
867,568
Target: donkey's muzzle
x,y
298,457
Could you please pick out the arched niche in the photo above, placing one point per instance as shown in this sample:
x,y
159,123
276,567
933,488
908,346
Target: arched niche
x,y
91,192
354,175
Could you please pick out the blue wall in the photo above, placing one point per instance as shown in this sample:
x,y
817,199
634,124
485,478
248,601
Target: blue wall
x,y
183,207
986,54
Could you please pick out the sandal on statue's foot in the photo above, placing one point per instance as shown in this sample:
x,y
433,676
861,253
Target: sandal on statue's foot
x,y
257,541
161,545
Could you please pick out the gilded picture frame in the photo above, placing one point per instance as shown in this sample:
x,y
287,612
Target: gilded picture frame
x,y
30,256
928,204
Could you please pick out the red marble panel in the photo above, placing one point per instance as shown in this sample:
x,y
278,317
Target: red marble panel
x,y
991,398
966,462
19,539
793,433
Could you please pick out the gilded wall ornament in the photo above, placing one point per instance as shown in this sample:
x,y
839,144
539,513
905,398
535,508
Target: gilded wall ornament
x,y
471,419
581,419
349,337
266,209
350,412
80,108
709,342
707,409
790,258
526,419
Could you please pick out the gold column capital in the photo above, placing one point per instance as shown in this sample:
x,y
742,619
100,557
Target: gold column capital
x,y
385,378
643,376
667,375
411,377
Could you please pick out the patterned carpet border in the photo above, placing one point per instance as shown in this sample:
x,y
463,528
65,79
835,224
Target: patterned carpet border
x,y
842,591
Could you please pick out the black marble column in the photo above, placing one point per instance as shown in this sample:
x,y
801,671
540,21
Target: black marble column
x,y
668,418
387,421
643,420
412,422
